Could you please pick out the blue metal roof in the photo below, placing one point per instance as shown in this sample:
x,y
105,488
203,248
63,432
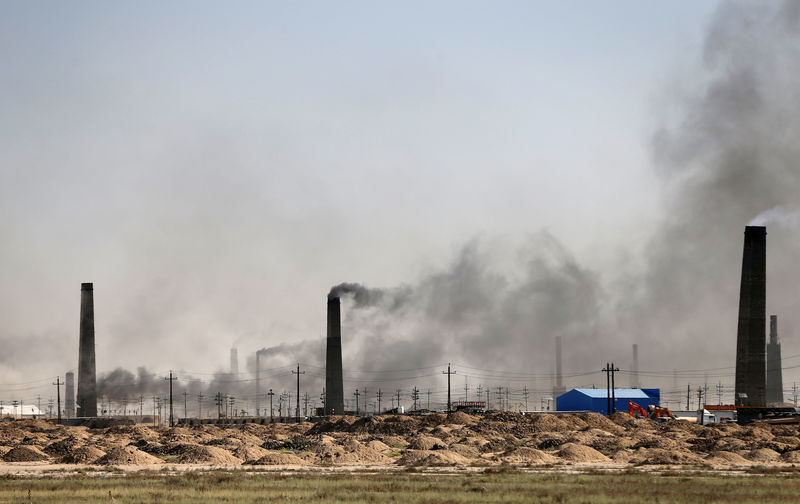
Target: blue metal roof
x,y
625,393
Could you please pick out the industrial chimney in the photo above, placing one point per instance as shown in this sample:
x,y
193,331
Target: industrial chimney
x,y
334,385
87,381
559,388
774,371
69,395
234,362
751,337
635,368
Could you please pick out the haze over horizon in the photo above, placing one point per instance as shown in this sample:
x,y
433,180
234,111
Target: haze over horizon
x,y
506,173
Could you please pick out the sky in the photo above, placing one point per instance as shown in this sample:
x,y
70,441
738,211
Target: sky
x,y
520,170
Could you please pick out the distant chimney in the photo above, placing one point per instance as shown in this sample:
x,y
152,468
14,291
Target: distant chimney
x,y
334,384
69,395
234,362
635,369
559,388
774,366
87,381
751,337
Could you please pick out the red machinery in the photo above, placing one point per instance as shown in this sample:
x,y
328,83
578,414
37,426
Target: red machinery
x,y
653,412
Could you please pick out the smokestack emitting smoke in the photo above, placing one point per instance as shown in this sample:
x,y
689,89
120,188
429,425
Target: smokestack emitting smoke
x,y
635,369
751,337
234,362
69,395
87,381
774,371
334,384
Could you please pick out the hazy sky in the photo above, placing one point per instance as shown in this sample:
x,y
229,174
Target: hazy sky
x,y
215,167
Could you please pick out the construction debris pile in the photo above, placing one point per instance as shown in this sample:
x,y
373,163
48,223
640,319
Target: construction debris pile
x,y
456,440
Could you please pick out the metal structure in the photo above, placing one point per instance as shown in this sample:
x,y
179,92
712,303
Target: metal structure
x,y
69,395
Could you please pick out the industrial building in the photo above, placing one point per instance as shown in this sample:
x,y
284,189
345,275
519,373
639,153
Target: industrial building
x,y
596,400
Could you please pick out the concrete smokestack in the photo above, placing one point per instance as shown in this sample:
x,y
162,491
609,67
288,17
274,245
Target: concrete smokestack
x,y
87,380
751,337
774,365
635,369
559,388
334,385
69,395
234,362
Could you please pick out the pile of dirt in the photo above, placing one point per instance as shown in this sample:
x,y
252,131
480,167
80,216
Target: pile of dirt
x,y
659,456
432,458
250,453
461,418
762,455
523,456
128,455
549,423
598,421
83,455
280,459
25,453
726,459
426,443
579,453
380,446
201,454
465,450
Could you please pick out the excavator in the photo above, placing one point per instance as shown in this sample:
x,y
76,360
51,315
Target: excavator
x,y
652,412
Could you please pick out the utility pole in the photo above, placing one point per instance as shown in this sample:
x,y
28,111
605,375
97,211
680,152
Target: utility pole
x,y
298,373
232,400
429,399
154,409
466,390
58,394
688,391
171,379
479,391
365,399
500,397
200,398
141,406
380,395
305,404
448,373
184,404
218,401
699,398
398,399
356,393
607,371
719,393
525,396
39,403
270,394
415,396
794,393
613,389
508,404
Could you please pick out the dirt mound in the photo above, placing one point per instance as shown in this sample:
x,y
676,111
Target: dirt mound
x,y
525,455
25,453
461,418
629,423
380,446
425,458
279,459
548,423
465,450
726,458
574,422
83,455
426,443
133,431
250,453
359,454
128,455
396,442
61,447
201,454
579,453
659,456
792,457
598,421
762,455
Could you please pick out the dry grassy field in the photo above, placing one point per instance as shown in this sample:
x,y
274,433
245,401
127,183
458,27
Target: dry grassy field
x,y
237,486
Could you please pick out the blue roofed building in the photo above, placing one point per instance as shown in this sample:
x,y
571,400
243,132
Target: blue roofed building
x,y
596,400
